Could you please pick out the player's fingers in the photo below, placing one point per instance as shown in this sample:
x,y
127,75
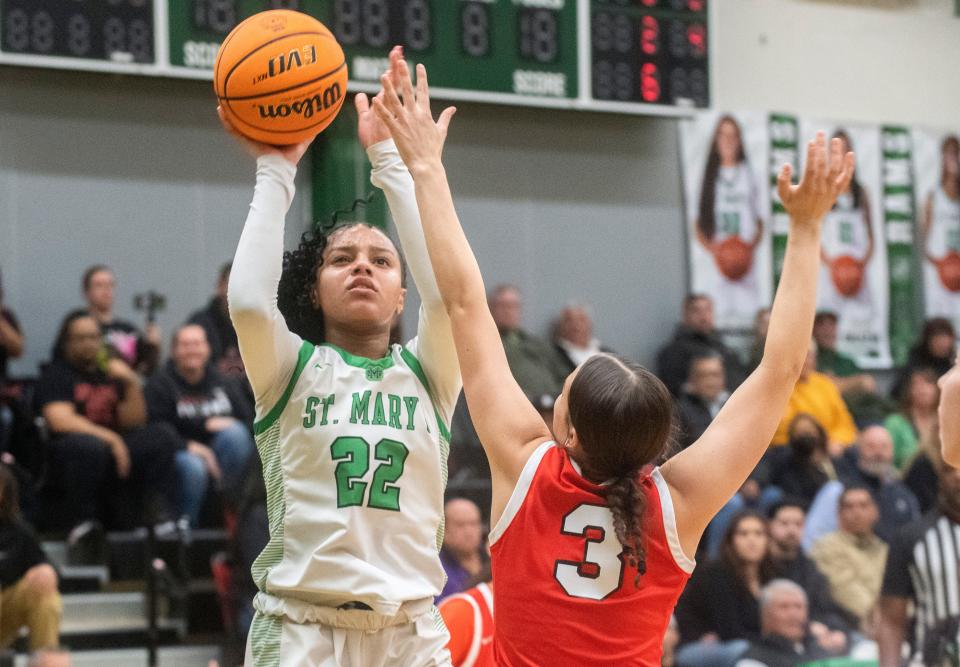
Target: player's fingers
x,y
406,86
361,103
396,55
846,174
836,158
391,101
444,121
784,184
423,89
819,158
380,108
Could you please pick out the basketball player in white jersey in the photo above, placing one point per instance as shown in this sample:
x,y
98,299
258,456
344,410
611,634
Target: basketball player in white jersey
x,y
940,232
351,430
729,208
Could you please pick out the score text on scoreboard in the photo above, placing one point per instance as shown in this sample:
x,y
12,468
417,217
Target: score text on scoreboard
x,y
498,47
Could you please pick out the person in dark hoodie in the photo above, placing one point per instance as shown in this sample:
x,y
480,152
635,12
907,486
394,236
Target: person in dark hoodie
x,y
934,350
209,411
221,336
695,335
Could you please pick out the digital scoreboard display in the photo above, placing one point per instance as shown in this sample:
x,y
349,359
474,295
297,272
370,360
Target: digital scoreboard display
x,y
632,56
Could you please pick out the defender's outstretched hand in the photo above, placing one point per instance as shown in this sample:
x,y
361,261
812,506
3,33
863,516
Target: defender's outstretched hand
x,y
370,129
823,180
419,139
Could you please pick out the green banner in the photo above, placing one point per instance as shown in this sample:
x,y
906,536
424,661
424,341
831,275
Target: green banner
x,y
898,217
784,149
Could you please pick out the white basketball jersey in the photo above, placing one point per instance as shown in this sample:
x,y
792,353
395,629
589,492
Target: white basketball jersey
x,y
735,204
944,233
355,465
845,230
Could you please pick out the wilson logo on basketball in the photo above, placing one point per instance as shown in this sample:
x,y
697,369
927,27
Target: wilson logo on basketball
x,y
286,62
306,107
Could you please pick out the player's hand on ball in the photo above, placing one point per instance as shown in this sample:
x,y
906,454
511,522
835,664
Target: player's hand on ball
x,y
823,180
419,139
291,153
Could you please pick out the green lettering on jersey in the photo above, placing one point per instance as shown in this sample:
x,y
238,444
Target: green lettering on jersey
x,y
310,412
378,418
730,224
846,232
953,240
411,403
394,411
360,410
327,402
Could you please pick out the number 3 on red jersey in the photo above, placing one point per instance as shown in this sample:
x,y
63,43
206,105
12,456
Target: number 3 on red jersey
x,y
600,573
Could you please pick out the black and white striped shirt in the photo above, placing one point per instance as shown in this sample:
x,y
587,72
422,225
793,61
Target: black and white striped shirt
x,y
923,565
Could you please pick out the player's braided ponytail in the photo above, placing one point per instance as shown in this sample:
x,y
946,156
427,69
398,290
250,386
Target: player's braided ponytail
x,y
623,416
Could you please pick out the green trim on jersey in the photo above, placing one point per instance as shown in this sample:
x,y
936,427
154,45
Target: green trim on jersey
x,y
265,634
417,369
306,350
361,362
268,444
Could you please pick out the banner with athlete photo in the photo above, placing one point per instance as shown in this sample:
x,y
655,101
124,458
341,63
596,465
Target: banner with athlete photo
x,y
936,169
724,158
854,281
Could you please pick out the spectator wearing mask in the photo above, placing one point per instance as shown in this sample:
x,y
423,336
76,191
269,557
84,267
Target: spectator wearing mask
x,y
221,336
853,557
817,395
921,571
828,623
801,468
785,639
211,414
695,335
462,554
916,419
534,363
28,583
869,464
935,350
573,337
101,453
140,351
703,395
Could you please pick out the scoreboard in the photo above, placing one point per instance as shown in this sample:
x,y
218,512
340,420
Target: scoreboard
x,y
633,56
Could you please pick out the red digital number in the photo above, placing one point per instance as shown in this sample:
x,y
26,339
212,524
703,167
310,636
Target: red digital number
x,y
650,36
649,82
697,36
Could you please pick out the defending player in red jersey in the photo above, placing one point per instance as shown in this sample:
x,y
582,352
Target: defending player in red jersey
x,y
589,553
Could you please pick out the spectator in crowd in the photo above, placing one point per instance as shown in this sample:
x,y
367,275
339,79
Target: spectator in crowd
x,y
140,351
28,583
828,623
462,554
934,350
921,572
695,334
800,469
916,419
853,557
573,337
221,336
469,619
211,414
11,347
468,465
703,395
949,413
921,475
840,368
760,325
869,464
534,363
785,639
718,612
817,395
94,408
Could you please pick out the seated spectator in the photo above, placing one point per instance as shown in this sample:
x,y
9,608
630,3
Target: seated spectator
x,y
694,335
140,351
211,414
840,368
921,475
869,464
800,469
785,637
817,395
29,597
573,337
828,623
718,612
95,411
462,554
221,336
921,572
760,325
534,363
934,350
917,417
703,395
11,347
853,557
469,619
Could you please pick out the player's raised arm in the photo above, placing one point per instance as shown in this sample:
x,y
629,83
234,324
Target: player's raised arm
x,y
950,415
707,474
269,349
507,424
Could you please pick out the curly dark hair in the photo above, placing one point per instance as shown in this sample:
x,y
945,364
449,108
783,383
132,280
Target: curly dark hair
x,y
299,276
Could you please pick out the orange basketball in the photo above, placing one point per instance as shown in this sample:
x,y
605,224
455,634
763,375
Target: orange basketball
x,y
734,257
949,270
847,275
280,77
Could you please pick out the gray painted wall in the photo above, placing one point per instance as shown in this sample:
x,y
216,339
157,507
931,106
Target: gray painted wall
x,y
137,173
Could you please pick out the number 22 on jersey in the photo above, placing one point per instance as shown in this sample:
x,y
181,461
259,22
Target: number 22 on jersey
x,y
354,456
600,572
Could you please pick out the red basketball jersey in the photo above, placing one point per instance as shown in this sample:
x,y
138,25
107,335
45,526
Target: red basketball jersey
x,y
563,593
469,618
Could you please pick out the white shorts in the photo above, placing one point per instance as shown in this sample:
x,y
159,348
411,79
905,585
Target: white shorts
x,y
277,641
